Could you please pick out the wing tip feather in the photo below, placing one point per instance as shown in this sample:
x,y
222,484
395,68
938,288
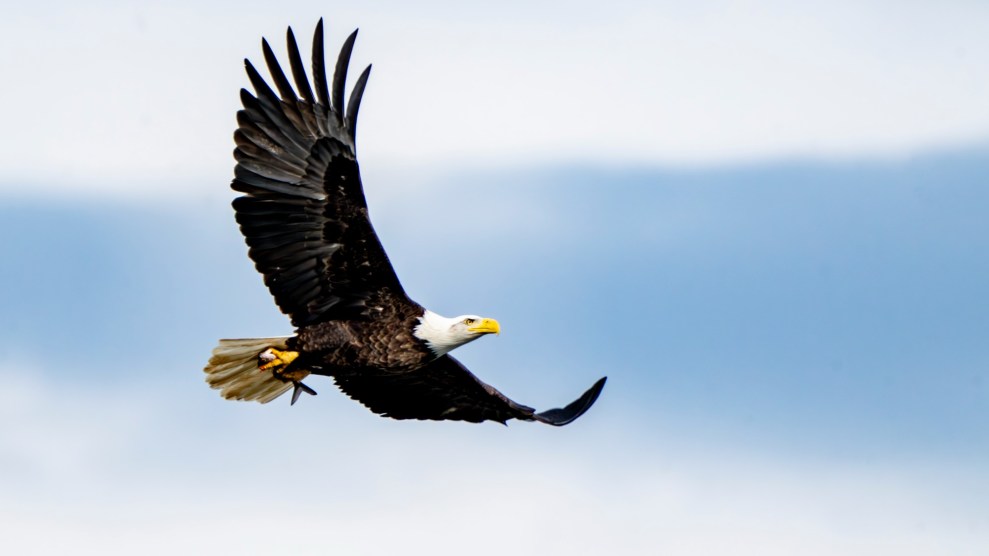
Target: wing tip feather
x,y
573,410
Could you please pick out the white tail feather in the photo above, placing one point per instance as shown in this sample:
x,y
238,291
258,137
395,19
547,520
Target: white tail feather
x,y
233,370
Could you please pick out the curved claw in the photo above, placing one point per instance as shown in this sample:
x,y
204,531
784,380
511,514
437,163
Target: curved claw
x,y
576,408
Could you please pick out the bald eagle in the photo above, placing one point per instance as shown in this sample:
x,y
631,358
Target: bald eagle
x,y
305,219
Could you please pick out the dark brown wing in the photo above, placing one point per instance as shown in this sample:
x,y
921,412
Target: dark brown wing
x,y
304,214
446,390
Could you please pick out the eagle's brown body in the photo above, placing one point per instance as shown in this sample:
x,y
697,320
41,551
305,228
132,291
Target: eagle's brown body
x,y
386,343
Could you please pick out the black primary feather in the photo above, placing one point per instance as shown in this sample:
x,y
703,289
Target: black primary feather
x,y
354,104
340,75
298,70
319,65
284,88
574,409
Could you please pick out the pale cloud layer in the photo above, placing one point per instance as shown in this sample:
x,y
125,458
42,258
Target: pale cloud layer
x,y
142,97
169,476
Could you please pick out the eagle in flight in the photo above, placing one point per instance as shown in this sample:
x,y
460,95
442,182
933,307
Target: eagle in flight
x,y
305,219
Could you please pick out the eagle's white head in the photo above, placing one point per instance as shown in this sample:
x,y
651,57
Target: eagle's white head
x,y
443,334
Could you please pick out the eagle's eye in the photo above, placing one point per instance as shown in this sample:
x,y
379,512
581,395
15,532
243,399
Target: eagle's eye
x,y
468,322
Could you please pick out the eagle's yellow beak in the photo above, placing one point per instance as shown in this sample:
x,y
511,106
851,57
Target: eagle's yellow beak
x,y
485,326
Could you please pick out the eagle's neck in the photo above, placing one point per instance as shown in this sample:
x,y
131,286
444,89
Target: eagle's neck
x,y
439,334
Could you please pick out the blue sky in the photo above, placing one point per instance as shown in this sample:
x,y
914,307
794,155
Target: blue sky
x,y
782,266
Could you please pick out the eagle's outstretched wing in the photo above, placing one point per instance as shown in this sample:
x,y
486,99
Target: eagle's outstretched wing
x,y
304,214
446,390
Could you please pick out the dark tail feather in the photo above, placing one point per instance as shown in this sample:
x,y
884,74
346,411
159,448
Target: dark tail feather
x,y
299,389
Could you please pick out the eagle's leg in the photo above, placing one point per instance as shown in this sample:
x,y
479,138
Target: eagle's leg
x,y
278,362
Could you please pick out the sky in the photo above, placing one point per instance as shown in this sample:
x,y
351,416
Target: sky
x,y
765,224
111,86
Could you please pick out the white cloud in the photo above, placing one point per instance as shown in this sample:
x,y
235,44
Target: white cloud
x,y
142,97
205,475
66,429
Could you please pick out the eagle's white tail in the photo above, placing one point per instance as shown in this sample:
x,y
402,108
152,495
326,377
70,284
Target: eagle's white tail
x,y
233,370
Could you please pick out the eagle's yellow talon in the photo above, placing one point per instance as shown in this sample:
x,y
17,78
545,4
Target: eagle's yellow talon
x,y
272,358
